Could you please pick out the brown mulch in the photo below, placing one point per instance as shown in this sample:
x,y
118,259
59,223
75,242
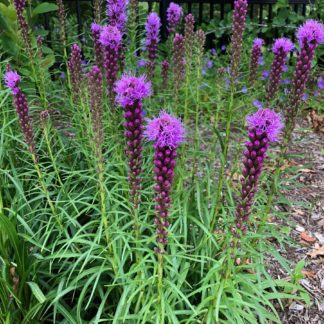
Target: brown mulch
x,y
307,151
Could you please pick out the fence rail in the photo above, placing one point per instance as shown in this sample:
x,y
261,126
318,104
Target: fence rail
x,y
259,10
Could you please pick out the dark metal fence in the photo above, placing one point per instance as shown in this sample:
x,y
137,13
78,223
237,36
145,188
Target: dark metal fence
x,y
204,10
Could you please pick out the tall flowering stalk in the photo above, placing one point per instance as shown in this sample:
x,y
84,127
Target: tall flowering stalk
x,y
130,92
255,55
20,6
238,26
97,10
95,31
174,14
117,13
281,48
152,28
110,39
189,36
12,80
61,15
167,133
264,127
178,63
165,65
309,36
75,70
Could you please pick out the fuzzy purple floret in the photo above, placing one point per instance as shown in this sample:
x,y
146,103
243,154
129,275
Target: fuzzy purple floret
x,y
130,89
282,44
95,28
266,121
152,28
165,130
311,31
174,14
258,42
110,36
12,79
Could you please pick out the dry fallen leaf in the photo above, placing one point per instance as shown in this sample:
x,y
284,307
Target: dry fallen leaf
x,y
306,171
317,121
306,237
309,274
318,251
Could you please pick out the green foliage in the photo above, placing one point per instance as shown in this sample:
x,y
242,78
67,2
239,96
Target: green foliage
x,y
77,274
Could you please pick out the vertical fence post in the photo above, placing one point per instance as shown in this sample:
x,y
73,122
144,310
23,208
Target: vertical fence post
x,y
79,19
163,12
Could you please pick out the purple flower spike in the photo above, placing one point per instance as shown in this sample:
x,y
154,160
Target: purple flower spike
x,y
178,62
310,35
311,32
189,36
110,39
96,30
281,49
174,14
75,68
255,56
167,132
131,91
117,13
152,28
264,127
12,80
238,26
165,74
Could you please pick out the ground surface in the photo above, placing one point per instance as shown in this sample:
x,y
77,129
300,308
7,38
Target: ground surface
x,y
308,218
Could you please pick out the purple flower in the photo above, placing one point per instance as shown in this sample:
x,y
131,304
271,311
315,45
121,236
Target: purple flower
x,y
282,45
213,52
305,97
141,63
130,92
165,130
62,75
266,121
285,68
286,91
261,60
174,14
12,79
209,64
178,62
110,36
255,59
244,90
316,93
238,26
203,72
152,38
320,83
96,30
152,28
258,104
311,31
189,36
264,126
116,13
281,48
265,74
223,48
131,89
